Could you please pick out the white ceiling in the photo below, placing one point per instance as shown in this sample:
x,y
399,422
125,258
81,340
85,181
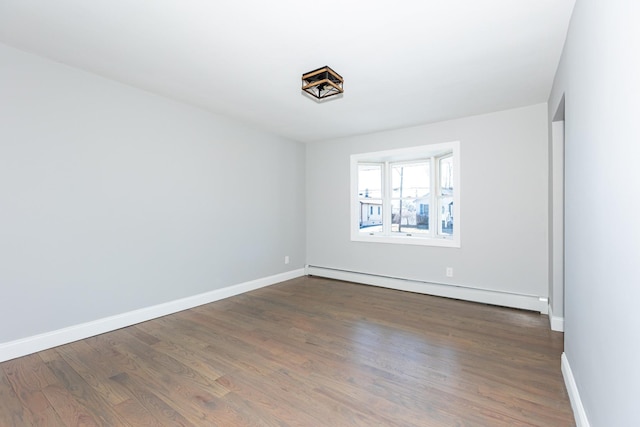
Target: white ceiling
x,y
404,63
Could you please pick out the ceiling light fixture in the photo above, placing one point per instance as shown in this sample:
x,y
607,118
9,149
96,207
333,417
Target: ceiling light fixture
x,y
322,83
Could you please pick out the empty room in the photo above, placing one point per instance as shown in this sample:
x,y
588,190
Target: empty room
x,y
329,214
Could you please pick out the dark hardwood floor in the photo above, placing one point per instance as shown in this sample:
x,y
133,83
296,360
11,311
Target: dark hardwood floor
x,y
307,352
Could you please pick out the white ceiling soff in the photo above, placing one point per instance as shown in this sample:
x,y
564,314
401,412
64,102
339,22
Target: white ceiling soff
x,y
404,63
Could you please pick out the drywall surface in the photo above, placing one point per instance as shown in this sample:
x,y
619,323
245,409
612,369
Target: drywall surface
x,y
113,199
598,76
504,205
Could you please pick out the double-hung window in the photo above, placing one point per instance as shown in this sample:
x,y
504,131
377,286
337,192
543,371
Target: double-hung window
x,y
409,196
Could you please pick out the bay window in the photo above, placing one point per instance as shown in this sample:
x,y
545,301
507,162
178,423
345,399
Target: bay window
x,y
409,196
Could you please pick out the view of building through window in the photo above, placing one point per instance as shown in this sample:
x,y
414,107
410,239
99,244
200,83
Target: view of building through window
x,y
370,195
445,196
411,197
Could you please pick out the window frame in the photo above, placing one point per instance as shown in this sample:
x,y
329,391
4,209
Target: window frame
x,y
433,153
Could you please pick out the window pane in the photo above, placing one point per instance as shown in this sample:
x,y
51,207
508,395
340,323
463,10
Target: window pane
x,y
445,201
422,214
406,217
409,180
370,214
410,192
370,197
369,181
446,176
445,206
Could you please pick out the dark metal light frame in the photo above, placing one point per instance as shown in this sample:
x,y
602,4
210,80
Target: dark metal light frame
x,y
322,83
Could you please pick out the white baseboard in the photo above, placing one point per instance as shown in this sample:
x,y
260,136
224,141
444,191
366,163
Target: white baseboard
x,y
33,344
556,322
505,299
574,396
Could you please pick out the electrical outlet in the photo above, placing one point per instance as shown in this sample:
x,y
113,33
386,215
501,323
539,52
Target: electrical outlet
x,y
449,271
286,259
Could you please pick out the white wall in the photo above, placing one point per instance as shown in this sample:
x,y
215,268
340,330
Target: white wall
x,y
504,205
113,199
599,75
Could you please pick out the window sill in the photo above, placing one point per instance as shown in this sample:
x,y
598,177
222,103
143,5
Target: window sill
x,y
407,240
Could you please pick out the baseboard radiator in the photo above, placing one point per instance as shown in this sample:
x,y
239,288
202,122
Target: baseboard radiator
x,y
467,293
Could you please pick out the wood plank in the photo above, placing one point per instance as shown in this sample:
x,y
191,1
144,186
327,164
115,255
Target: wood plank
x,y
306,352
70,411
13,412
28,376
74,387
95,370
135,413
171,382
165,413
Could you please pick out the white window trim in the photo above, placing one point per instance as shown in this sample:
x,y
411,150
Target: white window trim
x,y
399,155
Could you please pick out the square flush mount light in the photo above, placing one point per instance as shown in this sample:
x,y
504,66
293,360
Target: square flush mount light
x,y
322,83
